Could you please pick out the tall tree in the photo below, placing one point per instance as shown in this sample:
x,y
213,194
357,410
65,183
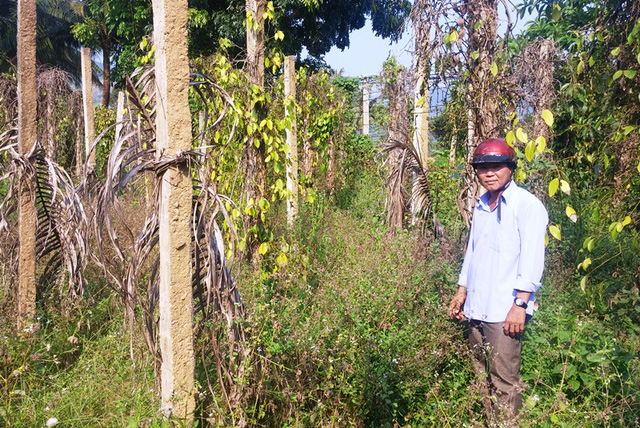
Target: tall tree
x,y
54,43
311,24
115,27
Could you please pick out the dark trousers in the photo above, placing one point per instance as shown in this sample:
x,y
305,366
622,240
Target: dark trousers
x,y
496,358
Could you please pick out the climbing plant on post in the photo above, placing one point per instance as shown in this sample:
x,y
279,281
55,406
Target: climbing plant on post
x,y
173,135
255,173
26,141
482,98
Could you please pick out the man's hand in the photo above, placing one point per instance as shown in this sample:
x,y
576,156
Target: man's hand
x,y
514,324
455,307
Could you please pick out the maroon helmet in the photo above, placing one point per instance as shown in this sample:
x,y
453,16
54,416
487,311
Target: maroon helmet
x,y
494,150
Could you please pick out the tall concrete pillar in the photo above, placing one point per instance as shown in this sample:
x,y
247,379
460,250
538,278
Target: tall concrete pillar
x,y
421,118
119,115
27,96
366,94
87,106
173,133
292,137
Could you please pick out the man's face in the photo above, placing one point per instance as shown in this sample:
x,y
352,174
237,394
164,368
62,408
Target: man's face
x,y
493,176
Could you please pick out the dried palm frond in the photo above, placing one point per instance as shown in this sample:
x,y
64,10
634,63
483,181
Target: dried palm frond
x,y
408,160
61,222
126,256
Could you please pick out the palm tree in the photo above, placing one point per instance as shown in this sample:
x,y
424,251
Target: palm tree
x,y
56,45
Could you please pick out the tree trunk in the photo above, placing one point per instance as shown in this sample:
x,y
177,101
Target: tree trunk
x,y
106,72
482,93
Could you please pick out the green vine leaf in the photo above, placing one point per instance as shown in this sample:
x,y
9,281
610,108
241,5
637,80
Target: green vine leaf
x,y
616,51
571,213
547,116
564,186
522,136
530,151
541,144
617,74
555,183
554,230
494,69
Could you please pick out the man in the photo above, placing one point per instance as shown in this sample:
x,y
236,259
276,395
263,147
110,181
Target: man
x,y
501,272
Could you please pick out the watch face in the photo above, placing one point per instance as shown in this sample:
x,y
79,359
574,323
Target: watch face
x,y
519,302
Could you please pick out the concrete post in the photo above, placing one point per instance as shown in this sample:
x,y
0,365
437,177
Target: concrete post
x,y
421,117
292,137
366,94
173,133
119,115
27,96
87,105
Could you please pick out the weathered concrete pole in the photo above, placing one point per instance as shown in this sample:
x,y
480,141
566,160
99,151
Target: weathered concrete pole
x,y
366,94
292,137
87,106
27,108
173,133
421,117
119,114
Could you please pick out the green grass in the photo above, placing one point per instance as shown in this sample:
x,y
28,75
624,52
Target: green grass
x,y
350,329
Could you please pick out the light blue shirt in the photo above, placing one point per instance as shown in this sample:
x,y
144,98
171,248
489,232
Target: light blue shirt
x,y
503,255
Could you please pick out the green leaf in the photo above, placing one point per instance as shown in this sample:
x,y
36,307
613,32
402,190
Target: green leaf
x,y
626,221
530,151
583,284
617,74
555,231
511,138
281,260
279,35
564,186
556,12
476,54
638,58
477,25
580,67
522,136
541,144
553,186
494,69
590,244
628,129
547,116
586,263
629,74
571,213
264,247
420,102
616,51
453,36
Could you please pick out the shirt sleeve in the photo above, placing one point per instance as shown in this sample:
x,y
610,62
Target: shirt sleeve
x,y
532,226
462,278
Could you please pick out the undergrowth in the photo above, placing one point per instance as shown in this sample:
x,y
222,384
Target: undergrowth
x,y
346,326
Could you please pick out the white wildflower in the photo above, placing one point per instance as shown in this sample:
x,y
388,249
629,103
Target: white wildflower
x,y
51,422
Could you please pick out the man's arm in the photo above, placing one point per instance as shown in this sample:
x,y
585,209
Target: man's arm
x,y
455,307
514,324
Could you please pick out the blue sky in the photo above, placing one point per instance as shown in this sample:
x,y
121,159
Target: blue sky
x,y
367,53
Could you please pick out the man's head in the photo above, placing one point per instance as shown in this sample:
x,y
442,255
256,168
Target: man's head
x,y
494,161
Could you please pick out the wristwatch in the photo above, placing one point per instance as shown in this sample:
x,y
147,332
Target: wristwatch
x,y
519,302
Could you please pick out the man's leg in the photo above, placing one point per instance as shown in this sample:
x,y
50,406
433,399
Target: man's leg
x,y
479,359
504,368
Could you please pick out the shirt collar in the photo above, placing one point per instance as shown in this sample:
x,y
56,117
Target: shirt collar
x,y
507,194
